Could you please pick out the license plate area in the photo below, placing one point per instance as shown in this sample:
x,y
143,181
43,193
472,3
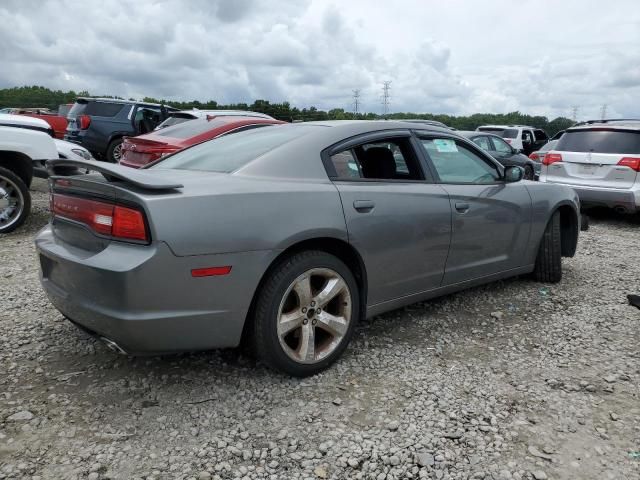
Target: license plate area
x,y
586,169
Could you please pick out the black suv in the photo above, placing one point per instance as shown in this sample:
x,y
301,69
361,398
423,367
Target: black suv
x,y
99,124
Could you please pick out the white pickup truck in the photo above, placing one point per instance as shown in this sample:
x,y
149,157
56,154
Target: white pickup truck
x,y
25,144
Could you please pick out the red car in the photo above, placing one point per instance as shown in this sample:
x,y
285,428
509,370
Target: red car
x,y
139,151
58,122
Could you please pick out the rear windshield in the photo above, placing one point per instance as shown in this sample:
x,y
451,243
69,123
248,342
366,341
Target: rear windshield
x,y
97,109
228,153
175,120
600,141
509,133
189,129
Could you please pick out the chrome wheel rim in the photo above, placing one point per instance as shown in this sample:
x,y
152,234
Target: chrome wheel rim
x,y
314,315
11,203
117,153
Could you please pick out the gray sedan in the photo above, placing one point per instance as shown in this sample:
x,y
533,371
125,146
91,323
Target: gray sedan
x,y
283,237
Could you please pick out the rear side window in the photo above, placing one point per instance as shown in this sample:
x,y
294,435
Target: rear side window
x,y
600,141
230,152
385,159
103,109
496,130
191,128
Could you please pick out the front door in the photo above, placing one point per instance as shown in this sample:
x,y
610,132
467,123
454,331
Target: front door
x,y
490,218
399,221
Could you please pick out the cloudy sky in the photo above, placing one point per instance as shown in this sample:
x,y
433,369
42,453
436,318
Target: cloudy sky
x,y
459,57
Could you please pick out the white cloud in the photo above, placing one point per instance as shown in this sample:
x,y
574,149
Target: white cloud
x,y
540,57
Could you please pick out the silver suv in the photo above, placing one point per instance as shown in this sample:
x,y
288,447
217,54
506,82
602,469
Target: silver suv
x,y
600,160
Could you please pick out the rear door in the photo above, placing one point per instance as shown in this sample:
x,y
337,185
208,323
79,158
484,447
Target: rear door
x,y
592,157
490,218
396,217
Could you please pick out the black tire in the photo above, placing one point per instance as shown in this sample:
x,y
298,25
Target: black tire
x,y
263,333
528,173
548,266
112,150
8,179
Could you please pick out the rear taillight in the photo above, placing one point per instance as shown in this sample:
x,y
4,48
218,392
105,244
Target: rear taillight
x,y
84,121
550,158
632,162
147,151
104,218
535,157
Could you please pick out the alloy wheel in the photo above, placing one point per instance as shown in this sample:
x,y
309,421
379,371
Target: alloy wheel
x,y
117,153
314,315
11,203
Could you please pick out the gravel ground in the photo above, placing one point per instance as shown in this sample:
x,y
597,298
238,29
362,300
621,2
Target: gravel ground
x,y
515,380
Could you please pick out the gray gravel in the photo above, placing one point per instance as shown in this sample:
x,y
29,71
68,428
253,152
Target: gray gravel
x,y
515,380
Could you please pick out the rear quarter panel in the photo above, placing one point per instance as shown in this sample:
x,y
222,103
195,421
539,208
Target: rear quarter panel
x,y
545,199
232,214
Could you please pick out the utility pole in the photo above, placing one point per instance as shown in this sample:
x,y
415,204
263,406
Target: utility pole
x,y
386,87
574,113
603,112
356,101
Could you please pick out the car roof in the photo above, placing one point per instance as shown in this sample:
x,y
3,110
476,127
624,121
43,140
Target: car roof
x,y
624,123
226,113
122,101
8,118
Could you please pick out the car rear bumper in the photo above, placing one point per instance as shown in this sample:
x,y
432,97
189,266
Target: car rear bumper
x,y
144,299
627,200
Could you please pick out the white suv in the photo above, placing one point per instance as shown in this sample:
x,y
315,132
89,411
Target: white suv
x,y
600,160
521,137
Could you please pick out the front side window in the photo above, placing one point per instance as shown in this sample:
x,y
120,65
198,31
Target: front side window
x,y
500,146
457,163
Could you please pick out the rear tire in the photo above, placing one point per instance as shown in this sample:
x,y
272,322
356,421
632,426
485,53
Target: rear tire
x,y
15,201
548,266
114,151
279,304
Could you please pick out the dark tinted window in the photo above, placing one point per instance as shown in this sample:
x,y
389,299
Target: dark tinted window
x,y
230,152
190,129
540,135
600,141
103,109
495,130
509,133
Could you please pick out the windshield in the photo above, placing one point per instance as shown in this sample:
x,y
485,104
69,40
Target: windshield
x,y
600,141
228,153
175,119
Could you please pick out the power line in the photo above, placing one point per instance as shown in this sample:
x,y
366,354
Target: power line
x,y
356,101
386,87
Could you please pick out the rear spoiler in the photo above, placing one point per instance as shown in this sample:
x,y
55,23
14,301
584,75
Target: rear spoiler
x,y
140,178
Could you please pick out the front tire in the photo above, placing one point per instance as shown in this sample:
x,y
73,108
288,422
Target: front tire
x,y
548,266
305,313
15,201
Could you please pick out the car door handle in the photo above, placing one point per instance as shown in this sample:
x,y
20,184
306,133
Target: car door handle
x,y
364,206
462,207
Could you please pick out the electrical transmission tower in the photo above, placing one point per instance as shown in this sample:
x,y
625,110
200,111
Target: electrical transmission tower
x,y
356,101
574,113
386,88
603,112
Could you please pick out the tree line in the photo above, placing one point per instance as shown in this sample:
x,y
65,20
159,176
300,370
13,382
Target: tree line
x,y
37,96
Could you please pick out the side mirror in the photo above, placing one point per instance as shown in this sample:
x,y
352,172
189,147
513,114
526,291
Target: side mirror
x,y
513,174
